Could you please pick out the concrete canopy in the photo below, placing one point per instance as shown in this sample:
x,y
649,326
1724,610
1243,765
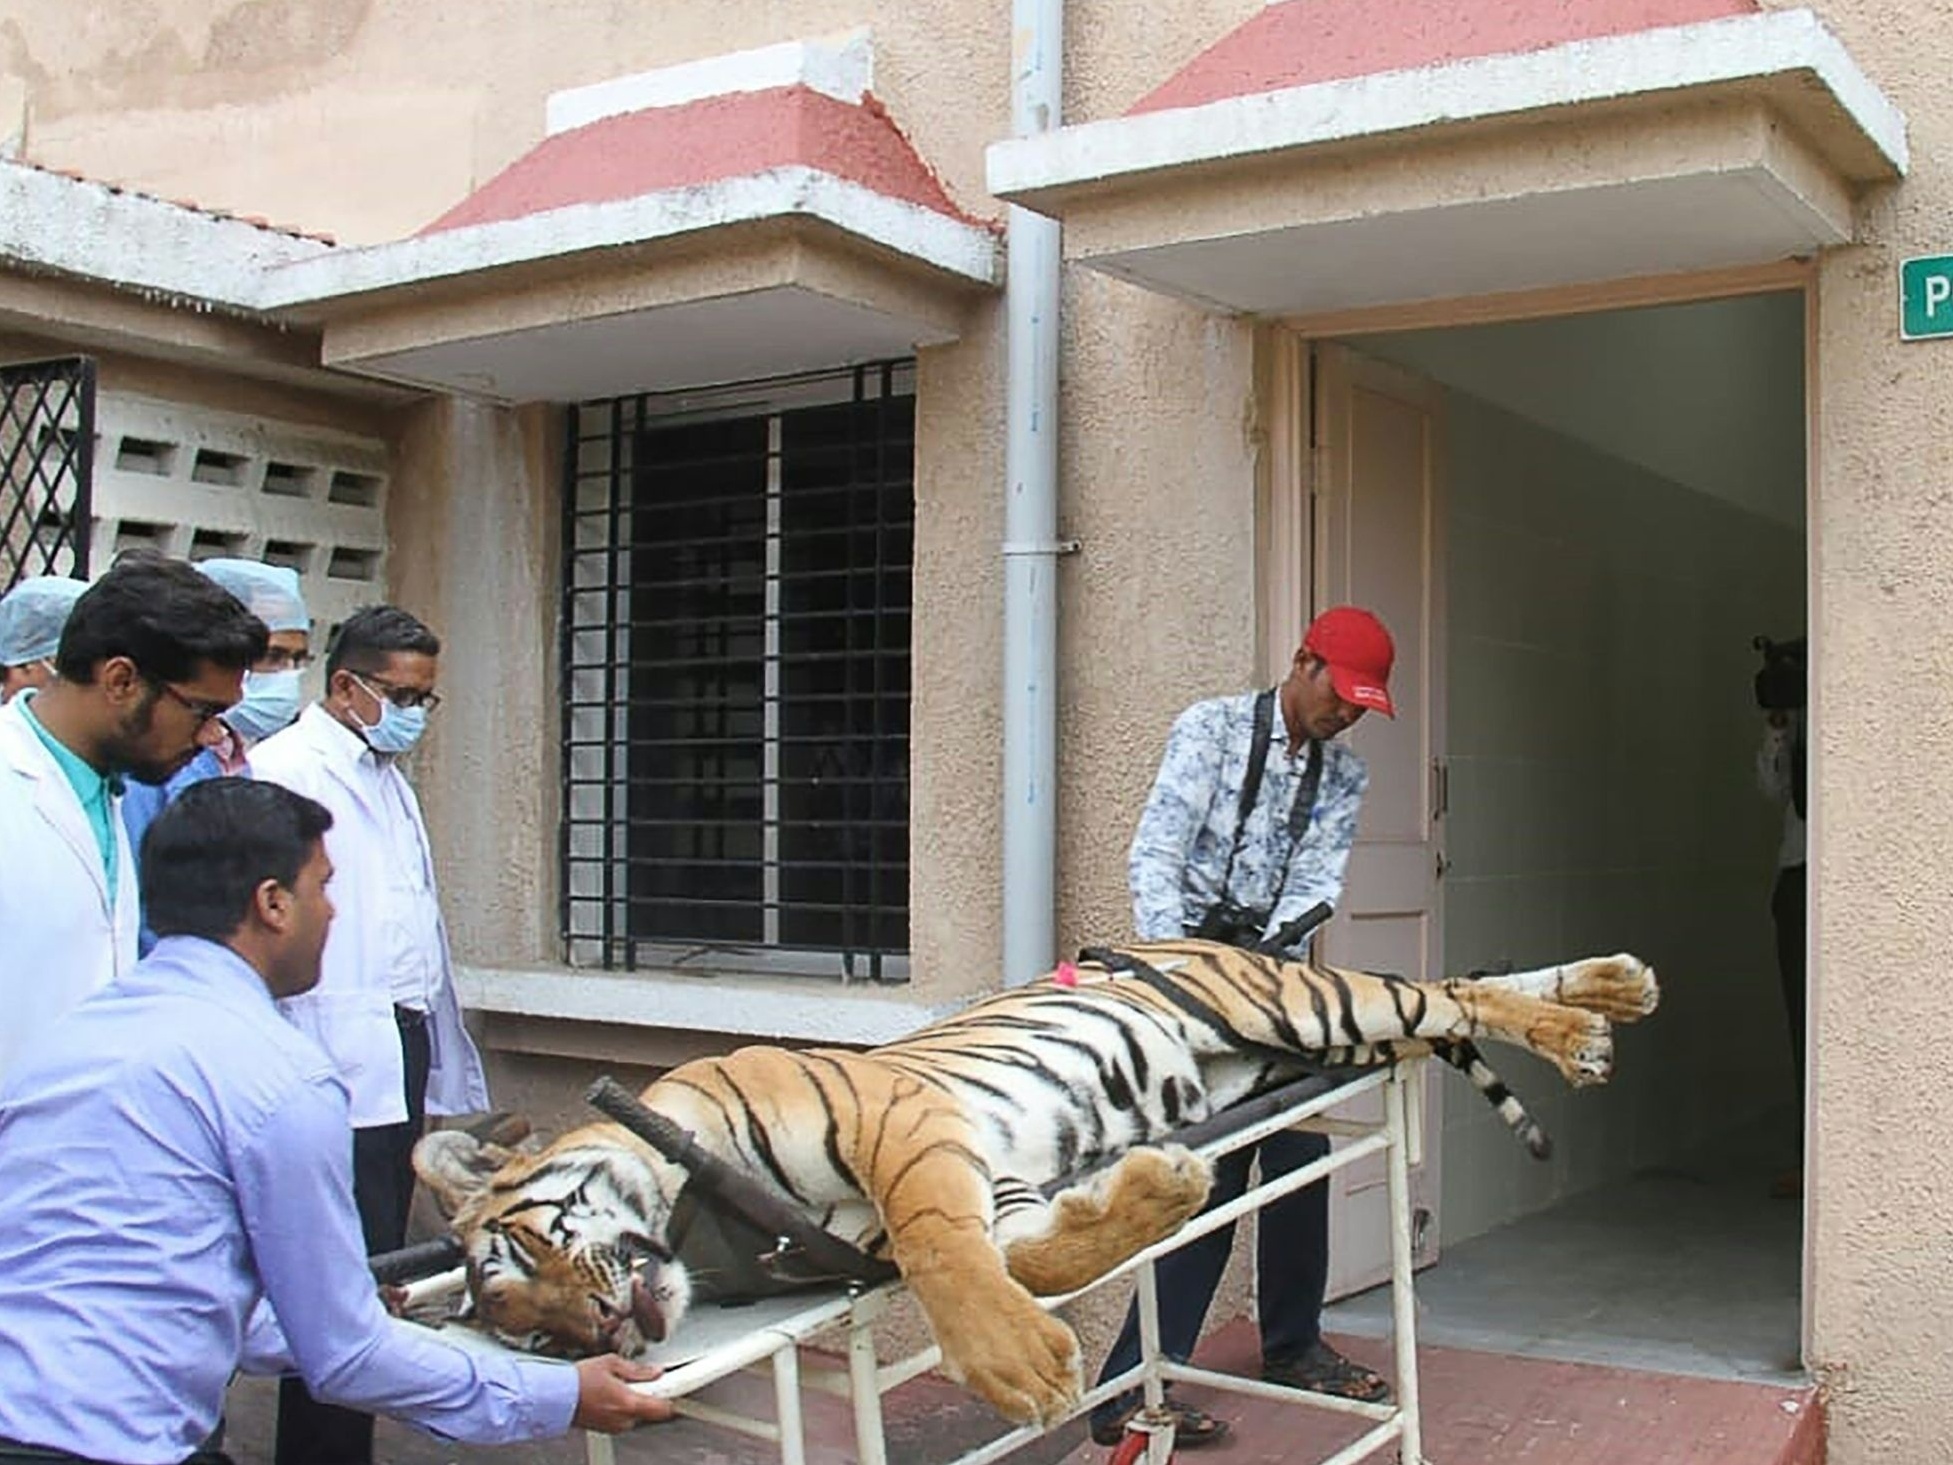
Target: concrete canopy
x,y
657,246
1275,176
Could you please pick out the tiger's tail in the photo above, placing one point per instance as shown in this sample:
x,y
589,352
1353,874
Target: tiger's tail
x,y
1463,1055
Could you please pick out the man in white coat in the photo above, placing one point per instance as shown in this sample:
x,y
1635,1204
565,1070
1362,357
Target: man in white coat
x,y
385,1007
152,653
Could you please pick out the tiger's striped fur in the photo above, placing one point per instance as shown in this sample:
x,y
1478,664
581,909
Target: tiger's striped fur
x,y
932,1150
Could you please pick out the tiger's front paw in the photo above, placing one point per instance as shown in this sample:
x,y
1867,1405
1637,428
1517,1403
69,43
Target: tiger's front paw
x,y
1582,1047
1018,1358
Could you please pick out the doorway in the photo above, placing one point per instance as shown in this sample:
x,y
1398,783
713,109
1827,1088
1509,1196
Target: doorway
x,y
1623,511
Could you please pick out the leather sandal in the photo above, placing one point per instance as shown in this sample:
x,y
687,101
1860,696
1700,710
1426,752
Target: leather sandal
x,y
1322,1370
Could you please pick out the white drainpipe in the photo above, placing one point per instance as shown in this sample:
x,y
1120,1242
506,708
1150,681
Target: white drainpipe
x,y
1031,547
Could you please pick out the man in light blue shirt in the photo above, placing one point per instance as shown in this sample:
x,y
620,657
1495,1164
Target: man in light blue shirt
x,y
176,1152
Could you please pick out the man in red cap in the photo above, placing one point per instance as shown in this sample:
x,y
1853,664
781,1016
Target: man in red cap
x,y
1245,839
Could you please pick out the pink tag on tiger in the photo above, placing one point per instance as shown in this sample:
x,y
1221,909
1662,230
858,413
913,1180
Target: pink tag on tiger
x,y
1066,975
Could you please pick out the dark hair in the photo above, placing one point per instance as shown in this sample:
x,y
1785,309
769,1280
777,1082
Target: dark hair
x,y
164,616
208,852
366,638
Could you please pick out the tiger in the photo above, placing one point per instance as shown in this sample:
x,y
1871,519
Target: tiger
x,y
934,1151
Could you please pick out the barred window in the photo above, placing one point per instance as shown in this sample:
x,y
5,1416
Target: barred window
x,y
736,677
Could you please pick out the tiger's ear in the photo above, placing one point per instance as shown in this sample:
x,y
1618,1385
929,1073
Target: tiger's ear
x,y
456,1167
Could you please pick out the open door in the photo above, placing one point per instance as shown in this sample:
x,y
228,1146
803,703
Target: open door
x,y
1373,474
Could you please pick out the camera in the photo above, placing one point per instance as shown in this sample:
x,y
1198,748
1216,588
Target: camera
x,y
1231,922
1780,682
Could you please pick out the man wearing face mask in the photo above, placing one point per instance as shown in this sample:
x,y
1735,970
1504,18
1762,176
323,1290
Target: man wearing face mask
x,y
151,655
271,693
31,617
385,1006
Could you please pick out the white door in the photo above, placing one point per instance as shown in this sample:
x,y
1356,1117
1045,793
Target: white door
x,y
1377,519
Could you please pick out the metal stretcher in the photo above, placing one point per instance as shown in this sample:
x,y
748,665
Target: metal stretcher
x,y
715,1343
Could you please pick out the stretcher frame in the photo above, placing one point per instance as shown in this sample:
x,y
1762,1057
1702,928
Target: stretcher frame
x,y
777,1331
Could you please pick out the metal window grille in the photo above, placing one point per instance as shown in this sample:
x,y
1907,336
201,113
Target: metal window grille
x,y
47,447
736,677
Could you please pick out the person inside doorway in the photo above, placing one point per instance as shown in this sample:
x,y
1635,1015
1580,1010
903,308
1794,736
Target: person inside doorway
x,y
1781,694
1250,825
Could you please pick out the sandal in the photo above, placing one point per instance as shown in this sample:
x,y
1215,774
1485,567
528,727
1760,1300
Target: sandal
x,y
1192,1428
1322,1370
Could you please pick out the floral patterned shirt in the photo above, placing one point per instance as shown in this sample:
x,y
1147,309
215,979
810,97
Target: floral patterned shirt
x,y
1180,852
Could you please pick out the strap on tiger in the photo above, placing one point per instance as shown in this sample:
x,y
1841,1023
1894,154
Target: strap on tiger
x,y
796,1235
1124,963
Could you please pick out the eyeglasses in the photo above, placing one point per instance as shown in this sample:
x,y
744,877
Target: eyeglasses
x,y
279,658
196,707
405,698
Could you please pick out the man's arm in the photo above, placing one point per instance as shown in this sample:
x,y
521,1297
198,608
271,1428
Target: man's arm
x,y
1183,791
294,1188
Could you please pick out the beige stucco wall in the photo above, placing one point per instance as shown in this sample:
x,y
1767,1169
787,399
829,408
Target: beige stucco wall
x,y
1880,1277
367,118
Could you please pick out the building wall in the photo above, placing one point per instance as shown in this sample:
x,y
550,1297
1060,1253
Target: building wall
x,y
1602,736
1879,1265
298,110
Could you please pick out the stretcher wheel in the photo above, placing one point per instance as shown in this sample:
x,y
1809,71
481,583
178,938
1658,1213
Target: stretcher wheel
x,y
1130,1449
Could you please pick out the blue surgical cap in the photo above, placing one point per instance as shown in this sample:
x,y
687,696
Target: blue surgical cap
x,y
32,615
269,592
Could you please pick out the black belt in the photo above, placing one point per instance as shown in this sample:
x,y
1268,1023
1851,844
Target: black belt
x,y
12,1452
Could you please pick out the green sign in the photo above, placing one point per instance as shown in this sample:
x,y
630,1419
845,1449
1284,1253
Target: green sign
x,y
1926,297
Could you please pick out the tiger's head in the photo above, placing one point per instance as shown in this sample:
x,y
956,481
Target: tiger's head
x,y
566,1251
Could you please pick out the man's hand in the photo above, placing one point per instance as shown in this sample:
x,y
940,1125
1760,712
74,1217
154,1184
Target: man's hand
x,y
605,1401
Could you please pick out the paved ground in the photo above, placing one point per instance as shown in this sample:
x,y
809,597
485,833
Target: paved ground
x,y
1479,1409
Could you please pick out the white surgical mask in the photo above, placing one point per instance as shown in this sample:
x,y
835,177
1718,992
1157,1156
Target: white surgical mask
x,y
271,701
398,729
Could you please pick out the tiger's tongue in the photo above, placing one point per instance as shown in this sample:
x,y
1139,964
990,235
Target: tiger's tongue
x,y
644,1309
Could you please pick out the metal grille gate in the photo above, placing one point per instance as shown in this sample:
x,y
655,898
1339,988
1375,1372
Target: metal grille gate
x,y
736,677
47,463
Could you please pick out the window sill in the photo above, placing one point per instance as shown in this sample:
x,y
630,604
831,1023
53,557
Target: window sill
x,y
799,1011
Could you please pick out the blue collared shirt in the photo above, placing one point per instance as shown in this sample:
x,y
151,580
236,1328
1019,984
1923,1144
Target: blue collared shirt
x,y
142,802
175,1152
1180,851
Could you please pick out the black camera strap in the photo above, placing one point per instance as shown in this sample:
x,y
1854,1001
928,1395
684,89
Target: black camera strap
x,y
1300,813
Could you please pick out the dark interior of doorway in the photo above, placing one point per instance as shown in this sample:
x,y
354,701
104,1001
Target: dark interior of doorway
x,y
1625,512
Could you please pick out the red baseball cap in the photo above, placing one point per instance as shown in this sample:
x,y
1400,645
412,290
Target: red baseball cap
x,y
1358,652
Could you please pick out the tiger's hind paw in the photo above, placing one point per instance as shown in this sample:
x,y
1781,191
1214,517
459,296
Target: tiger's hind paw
x,y
1621,988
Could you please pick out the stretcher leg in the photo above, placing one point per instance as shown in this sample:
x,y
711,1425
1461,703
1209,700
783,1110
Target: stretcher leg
x,y
1403,1300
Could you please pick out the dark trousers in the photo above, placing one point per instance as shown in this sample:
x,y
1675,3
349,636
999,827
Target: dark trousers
x,y
1291,1266
1787,910
311,1433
